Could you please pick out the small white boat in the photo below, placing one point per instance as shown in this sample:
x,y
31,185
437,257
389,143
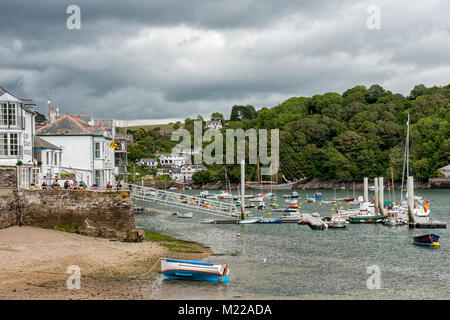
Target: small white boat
x,y
184,214
294,194
194,270
290,201
248,220
394,221
337,222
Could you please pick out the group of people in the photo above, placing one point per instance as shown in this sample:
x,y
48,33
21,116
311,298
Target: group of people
x,y
75,185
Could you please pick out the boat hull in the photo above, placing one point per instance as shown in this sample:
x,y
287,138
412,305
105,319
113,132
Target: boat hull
x,y
286,186
194,270
429,239
367,219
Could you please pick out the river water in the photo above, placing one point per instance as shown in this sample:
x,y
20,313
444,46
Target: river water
x,y
290,261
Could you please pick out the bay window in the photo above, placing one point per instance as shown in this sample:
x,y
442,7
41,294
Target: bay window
x,y
10,144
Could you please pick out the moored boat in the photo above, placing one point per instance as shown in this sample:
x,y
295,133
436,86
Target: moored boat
x,y
184,214
293,195
394,221
337,222
248,220
194,270
428,239
269,220
362,218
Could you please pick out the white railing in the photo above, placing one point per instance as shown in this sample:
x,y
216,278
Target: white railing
x,y
183,201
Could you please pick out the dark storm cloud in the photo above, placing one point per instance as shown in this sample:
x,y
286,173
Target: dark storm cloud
x,y
164,59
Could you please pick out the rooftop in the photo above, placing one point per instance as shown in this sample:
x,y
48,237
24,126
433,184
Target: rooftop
x,y
71,125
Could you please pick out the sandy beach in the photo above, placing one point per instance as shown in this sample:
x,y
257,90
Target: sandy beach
x,y
34,264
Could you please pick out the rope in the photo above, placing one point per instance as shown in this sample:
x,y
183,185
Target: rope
x,y
144,274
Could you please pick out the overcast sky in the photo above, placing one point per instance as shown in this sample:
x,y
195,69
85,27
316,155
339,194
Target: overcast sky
x,y
161,59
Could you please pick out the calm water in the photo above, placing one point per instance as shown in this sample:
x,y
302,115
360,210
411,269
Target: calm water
x,y
290,261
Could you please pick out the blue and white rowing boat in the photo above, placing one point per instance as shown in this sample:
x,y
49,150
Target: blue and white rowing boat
x,y
194,270
184,214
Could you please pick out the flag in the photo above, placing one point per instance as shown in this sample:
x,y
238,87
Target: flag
x,y
113,145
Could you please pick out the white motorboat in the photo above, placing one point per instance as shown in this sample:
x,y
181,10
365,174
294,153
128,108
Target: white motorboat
x,y
290,201
394,221
337,222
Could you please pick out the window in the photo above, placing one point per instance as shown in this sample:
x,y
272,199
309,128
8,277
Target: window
x,y
4,144
35,176
25,178
8,114
14,144
98,178
4,114
47,158
56,159
12,114
97,150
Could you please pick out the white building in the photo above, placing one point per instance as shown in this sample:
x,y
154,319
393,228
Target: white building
x,y
445,171
50,157
86,150
187,171
17,121
169,160
150,163
214,124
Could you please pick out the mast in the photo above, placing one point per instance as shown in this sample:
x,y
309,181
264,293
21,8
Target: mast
x,y
259,176
406,160
243,188
410,190
393,188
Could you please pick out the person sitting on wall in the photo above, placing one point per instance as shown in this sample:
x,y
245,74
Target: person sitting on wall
x,y
83,185
66,184
109,186
118,185
75,185
44,185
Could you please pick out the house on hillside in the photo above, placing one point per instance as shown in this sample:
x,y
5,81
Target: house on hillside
x,y
169,160
86,148
214,124
148,163
164,133
445,171
17,122
188,170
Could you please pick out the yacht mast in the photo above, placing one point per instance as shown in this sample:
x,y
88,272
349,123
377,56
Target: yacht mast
x,y
406,159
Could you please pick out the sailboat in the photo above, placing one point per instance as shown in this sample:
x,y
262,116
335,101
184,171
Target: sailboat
x,y
270,185
242,219
421,206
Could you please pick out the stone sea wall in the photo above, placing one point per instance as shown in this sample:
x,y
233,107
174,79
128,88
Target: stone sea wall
x,y
92,213
8,212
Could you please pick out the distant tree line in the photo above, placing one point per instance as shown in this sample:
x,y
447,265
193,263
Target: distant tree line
x,y
359,133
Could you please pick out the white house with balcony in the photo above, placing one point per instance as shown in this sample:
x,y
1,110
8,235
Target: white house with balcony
x,y
172,160
17,121
86,150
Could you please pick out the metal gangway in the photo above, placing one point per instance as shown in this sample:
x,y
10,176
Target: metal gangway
x,y
183,201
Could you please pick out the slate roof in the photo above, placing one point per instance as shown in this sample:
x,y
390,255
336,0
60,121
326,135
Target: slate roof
x,y
40,144
70,125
